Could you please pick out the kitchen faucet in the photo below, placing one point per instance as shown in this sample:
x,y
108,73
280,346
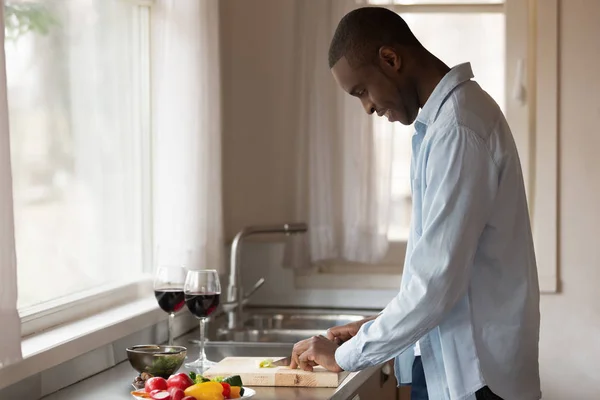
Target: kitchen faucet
x,y
235,291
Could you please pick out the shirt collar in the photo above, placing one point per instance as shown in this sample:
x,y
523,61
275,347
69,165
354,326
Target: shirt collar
x,y
457,75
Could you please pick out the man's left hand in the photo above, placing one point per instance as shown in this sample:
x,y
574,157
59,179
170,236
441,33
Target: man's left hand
x,y
318,350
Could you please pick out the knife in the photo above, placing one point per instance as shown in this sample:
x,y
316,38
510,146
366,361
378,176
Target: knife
x,y
283,362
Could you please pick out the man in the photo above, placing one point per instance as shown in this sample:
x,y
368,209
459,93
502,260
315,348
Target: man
x,y
469,294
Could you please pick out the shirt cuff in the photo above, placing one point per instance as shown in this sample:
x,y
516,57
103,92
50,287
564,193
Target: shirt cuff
x,y
347,356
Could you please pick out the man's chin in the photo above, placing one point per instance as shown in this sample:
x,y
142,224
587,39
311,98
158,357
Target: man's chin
x,y
392,116
406,119
397,117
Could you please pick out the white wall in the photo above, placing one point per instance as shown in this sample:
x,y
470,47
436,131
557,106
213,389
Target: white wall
x,y
570,336
259,109
257,40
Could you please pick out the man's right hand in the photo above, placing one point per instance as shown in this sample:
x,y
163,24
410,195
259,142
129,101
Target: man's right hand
x,y
343,333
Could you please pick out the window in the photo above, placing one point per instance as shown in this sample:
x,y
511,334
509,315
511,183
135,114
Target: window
x,y
78,91
455,31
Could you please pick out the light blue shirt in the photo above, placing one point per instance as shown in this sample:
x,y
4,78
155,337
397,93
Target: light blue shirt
x,y
469,291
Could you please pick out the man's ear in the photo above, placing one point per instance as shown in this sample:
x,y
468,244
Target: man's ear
x,y
390,57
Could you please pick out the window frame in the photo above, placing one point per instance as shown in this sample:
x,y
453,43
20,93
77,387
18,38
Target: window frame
x,y
49,314
536,20
448,8
544,194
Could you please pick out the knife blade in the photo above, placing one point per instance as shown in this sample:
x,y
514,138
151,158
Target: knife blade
x,y
283,362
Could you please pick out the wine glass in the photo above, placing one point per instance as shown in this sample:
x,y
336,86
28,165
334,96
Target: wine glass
x,y
168,290
202,291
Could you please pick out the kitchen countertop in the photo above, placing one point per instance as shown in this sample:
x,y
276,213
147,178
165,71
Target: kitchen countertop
x,y
115,383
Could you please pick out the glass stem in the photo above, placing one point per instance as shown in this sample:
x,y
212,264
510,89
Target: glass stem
x,y
202,334
171,323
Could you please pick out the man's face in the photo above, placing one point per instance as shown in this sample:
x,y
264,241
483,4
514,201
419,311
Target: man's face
x,y
383,87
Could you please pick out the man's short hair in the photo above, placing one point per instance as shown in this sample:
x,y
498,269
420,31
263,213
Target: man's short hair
x,y
362,32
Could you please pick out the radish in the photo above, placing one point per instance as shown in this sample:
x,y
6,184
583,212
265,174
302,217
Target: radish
x,y
161,395
181,381
176,393
155,383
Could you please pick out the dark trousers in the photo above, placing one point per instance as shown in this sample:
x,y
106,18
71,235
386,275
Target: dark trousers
x,y
418,389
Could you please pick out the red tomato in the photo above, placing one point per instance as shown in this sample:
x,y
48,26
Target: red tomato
x,y
181,381
155,383
226,389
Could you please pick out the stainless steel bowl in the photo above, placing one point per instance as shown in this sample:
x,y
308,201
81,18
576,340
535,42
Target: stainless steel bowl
x,y
156,360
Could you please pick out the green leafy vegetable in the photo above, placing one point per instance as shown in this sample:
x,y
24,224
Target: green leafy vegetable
x,y
164,366
197,378
234,380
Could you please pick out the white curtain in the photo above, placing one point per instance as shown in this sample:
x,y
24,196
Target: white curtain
x,y
10,323
344,166
187,126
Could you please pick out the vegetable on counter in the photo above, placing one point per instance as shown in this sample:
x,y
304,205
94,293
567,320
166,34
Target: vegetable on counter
x,y
155,383
141,393
160,395
162,366
268,363
180,380
176,393
206,389
234,380
157,388
226,389
197,378
235,392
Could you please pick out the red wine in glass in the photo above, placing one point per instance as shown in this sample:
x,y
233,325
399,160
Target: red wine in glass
x,y
170,300
168,290
202,304
202,291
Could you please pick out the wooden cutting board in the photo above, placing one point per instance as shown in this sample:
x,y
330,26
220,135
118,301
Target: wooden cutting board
x,y
247,368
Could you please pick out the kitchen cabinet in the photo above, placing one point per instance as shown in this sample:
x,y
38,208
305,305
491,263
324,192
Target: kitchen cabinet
x,y
381,385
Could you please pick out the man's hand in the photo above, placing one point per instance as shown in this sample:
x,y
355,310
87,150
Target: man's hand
x,y
317,350
343,333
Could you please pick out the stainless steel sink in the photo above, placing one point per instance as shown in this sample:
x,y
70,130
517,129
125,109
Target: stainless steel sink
x,y
300,321
289,336
219,350
286,326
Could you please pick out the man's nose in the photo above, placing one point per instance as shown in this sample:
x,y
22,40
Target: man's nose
x,y
368,106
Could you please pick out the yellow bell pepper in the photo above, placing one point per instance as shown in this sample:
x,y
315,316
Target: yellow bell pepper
x,y
206,391
235,392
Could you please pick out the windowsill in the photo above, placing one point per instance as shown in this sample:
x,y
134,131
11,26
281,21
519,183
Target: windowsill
x,y
79,306
50,348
